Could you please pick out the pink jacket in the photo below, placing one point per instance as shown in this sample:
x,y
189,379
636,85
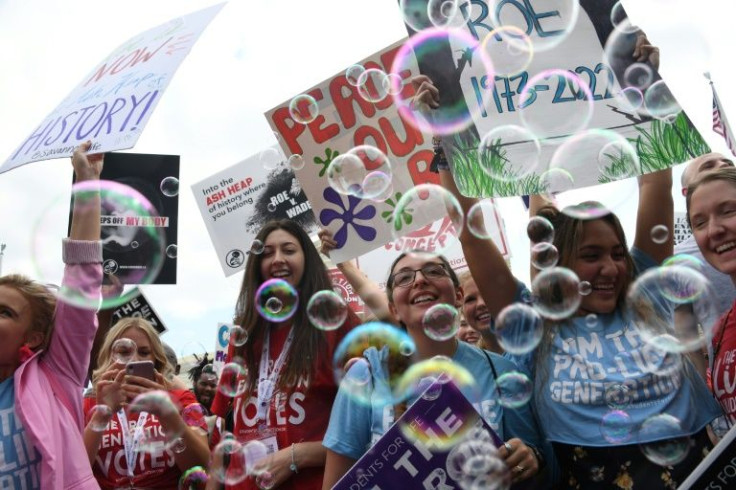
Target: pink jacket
x,y
48,386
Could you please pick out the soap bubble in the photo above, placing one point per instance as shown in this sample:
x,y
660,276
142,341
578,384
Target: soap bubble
x,y
556,292
276,300
170,186
303,109
327,310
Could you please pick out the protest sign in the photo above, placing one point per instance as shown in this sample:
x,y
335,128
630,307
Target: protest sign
x,y
376,263
140,216
113,103
347,118
236,202
222,343
718,470
537,105
341,285
398,461
139,307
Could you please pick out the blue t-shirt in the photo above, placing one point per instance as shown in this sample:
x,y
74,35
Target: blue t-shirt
x,y
20,463
354,426
592,371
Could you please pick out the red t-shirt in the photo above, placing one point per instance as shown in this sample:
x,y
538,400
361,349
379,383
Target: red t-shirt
x,y
301,415
152,470
723,375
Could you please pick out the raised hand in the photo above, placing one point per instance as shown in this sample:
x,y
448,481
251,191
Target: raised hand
x,y
327,242
426,94
644,51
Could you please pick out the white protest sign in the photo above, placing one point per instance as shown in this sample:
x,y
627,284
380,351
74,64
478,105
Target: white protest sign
x,y
549,120
376,264
348,119
237,201
113,103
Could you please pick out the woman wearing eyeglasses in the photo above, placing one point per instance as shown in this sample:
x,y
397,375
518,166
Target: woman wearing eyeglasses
x,y
416,283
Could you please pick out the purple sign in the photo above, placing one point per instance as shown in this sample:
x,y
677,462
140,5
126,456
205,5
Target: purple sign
x,y
414,452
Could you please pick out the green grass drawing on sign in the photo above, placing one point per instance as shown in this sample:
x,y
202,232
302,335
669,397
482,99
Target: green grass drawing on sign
x,y
660,145
471,178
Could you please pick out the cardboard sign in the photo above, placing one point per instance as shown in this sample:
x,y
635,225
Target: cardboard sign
x,y
113,103
718,470
139,307
346,120
556,98
139,242
396,461
236,202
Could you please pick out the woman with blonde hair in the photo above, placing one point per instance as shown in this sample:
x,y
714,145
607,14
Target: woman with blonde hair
x,y
110,447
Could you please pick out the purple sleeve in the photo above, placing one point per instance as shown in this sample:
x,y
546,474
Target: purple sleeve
x,y
74,327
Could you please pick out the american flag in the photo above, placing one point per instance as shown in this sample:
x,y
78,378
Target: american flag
x,y
720,123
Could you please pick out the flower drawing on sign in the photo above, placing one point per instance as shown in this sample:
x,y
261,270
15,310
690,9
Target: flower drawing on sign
x,y
329,156
404,217
348,215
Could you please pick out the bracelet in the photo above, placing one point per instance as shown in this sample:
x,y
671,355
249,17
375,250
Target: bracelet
x,y
541,463
293,466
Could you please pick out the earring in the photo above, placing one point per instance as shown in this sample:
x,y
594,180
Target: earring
x,y
25,353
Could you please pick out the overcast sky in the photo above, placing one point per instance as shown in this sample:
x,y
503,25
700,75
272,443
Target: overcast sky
x,y
253,56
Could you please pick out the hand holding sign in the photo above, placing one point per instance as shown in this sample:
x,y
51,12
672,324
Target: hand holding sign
x,y
426,93
87,167
645,51
520,459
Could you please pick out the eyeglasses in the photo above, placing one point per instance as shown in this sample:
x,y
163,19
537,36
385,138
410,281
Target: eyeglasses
x,y
405,278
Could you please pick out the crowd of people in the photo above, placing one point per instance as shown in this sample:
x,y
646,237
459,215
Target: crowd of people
x,y
141,427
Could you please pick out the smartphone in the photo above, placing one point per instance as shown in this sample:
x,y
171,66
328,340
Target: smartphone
x,y
144,369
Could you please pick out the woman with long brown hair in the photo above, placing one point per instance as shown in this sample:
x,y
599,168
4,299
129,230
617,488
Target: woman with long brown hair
x,y
290,388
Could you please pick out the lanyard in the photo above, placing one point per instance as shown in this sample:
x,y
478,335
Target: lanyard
x,y
131,443
266,381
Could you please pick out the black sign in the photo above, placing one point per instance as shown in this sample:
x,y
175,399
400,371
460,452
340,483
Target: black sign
x,y
718,470
138,306
139,218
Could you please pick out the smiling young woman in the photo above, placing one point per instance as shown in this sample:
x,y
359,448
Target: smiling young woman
x,y
292,357
711,212
416,283
587,354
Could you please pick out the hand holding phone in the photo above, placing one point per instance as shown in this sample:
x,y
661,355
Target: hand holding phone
x,y
143,369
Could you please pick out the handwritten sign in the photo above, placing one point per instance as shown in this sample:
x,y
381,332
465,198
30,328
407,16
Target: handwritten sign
x,y
396,461
113,103
558,119
237,201
376,263
346,120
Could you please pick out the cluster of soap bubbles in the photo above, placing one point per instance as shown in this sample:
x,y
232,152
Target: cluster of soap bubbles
x,y
364,172
250,459
673,308
423,203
